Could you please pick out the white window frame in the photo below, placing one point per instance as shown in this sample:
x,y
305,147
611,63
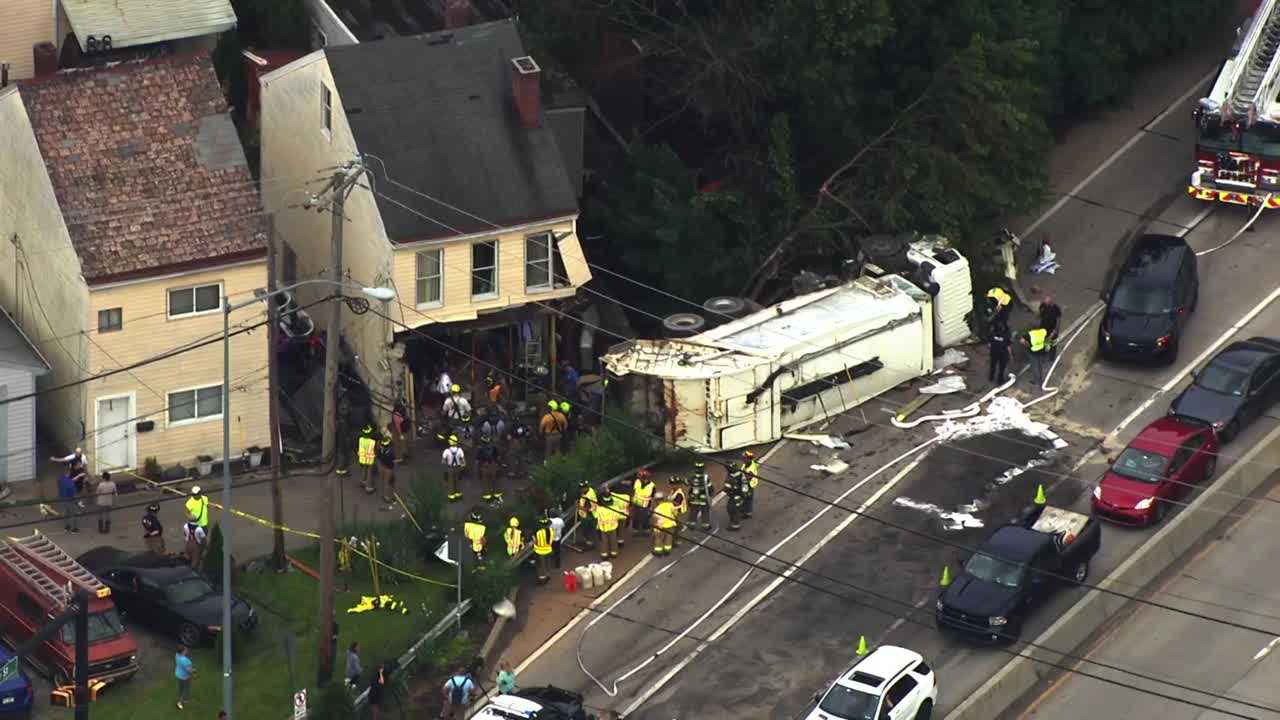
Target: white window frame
x,y
326,111
419,278
497,247
108,311
548,261
194,312
195,398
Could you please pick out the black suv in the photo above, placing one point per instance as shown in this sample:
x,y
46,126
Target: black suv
x,y
1148,305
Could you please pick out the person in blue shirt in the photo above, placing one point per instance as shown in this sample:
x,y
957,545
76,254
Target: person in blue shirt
x,y
183,670
569,379
67,494
457,695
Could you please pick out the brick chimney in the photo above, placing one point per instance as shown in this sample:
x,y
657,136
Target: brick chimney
x,y
526,91
457,14
45,57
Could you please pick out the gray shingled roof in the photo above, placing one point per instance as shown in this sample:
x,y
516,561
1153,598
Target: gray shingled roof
x,y
437,110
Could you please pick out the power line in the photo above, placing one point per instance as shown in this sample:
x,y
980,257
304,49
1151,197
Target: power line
x,y
881,521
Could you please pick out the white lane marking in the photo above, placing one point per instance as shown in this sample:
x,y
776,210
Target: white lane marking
x,y
786,575
590,609
1264,651
1186,369
1116,155
1199,218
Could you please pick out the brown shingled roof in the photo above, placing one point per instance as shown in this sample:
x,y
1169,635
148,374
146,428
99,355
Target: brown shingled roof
x,y
147,167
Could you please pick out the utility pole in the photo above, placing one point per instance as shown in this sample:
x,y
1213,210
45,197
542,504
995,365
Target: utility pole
x,y
344,180
273,402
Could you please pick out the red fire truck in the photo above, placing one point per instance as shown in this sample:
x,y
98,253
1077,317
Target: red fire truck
x,y
1238,124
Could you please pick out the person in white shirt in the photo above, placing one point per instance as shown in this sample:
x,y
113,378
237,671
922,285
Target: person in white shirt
x,y
557,530
456,407
444,383
196,539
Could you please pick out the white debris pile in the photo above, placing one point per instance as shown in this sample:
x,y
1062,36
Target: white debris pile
x,y
1003,413
948,358
835,467
945,386
830,442
950,520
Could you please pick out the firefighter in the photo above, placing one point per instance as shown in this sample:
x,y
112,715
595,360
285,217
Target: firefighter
x,y
735,488
487,459
750,469
497,391
542,548
552,426
607,521
366,452
587,512
641,500
1036,341
999,303
679,501
664,525
700,492
454,462
620,502
570,427
386,472
474,530
455,407
513,537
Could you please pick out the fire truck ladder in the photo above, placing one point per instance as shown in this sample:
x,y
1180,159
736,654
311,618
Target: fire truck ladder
x,y
41,549
1245,93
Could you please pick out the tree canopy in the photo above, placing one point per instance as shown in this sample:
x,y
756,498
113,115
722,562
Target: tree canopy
x,y
776,131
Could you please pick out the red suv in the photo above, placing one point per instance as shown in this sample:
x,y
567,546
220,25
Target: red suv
x,y
1160,465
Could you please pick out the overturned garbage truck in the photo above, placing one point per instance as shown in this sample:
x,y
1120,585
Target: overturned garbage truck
x,y
805,359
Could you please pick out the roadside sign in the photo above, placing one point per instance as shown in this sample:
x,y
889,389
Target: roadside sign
x,y
9,670
300,704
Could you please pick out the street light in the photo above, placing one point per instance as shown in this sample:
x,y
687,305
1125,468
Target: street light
x,y
382,294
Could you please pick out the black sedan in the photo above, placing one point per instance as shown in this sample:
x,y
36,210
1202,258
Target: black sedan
x,y
1239,384
165,594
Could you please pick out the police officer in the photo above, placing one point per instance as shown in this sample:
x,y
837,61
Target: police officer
x,y
751,471
366,453
587,503
455,460
386,472
152,530
735,489
487,459
641,499
542,548
474,530
513,537
700,492
607,520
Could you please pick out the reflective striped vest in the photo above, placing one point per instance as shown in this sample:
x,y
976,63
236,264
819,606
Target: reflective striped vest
x,y
665,515
606,518
515,540
542,542
475,533
367,448
1037,339
198,510
586,501
642,493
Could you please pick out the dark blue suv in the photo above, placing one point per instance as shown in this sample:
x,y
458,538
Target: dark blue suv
x,y
1154,293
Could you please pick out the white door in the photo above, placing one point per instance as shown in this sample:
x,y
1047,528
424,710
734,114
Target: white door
x,y
113,439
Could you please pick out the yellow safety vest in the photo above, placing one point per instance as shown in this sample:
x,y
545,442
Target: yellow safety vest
x,y
475,533
680,502
642,494
1001,297
752,469
542,542
666,515
198,510
606,518
367,449
590,494
1037,339
621,502
515,540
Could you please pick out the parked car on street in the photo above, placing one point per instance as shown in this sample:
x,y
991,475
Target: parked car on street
x,y
891,682
16,695
1015,570
536,703
1162,464
165,594
1148,305
1240,383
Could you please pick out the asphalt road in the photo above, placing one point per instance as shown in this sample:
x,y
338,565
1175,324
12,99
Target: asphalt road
x,y
1229,570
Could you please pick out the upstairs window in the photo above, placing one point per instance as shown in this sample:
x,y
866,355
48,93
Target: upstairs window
x,y
195,300
110,320
326,111
429,276
484,269
537,262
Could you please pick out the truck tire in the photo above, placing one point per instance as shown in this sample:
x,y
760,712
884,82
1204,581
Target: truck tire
x,y
1080,573
725,307
926,711
683,325
189,635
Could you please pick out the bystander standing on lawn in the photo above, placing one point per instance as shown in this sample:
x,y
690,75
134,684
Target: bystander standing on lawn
x,y
183,670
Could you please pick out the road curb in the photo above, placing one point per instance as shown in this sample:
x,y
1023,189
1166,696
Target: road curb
x,y
1155,556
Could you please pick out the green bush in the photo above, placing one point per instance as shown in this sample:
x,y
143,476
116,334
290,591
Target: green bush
x,y
615,448
488,584
211,567
427,500
397,545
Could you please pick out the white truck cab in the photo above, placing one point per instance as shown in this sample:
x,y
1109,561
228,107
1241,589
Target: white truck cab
x,y
891,683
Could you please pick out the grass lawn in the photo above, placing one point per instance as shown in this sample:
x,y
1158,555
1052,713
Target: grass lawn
x,y
288,606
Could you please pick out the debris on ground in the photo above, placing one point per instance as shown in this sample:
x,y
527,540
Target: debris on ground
x,y
835,467
945,386
948,358
827,441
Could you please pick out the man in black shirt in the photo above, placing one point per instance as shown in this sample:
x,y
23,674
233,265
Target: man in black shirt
x,y
376,687
1050,316
152,530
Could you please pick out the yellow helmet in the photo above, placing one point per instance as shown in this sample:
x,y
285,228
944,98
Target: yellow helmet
x,y
386,439
453,439
514,522
455,388
553,404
